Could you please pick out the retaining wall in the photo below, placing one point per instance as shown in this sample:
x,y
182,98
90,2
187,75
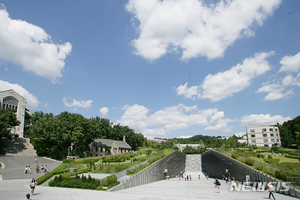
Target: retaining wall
x,y
174,163
217,164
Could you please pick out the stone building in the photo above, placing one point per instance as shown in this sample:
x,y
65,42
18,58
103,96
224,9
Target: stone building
x,y
11,99
103,147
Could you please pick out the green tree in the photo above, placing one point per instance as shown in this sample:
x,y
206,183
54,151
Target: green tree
x,y
7,121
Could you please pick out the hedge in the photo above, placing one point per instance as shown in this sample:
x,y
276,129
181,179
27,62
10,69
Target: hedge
x,y
83,182
48,175
272,161
292,156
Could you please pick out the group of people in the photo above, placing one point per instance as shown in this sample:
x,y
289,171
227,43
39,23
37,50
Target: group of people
x,y
41,169
38,169
186,177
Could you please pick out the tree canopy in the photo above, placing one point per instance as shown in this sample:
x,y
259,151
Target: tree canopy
x,y
8,120
288,132
53,135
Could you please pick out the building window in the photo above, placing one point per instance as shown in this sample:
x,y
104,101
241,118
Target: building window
x,y
266,145
265,140
96,149
253,135
272,135
276,135
277,140
276,129
254,141
271,129
264,130
265,135
272,140
252,130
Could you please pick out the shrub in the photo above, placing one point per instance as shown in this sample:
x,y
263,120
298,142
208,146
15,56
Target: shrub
x,y
279,174
111,180
249,162
259,167
104,182
75,182
272,161
68,160
234,156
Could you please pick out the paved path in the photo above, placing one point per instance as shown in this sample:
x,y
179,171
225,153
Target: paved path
x,y
16,185
174,189
15,165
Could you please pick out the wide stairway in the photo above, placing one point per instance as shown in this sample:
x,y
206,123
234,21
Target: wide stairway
x,y
193,163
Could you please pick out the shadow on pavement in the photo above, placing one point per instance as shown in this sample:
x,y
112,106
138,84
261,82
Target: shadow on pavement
x,y
15,146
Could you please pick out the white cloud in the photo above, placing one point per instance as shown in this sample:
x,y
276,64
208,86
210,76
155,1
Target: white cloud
x,y
30,46
263,119
32,101
196,28
221,127
170,119
186,136
78,103
224,84
192,92
104,111
290,63
284,88
276,91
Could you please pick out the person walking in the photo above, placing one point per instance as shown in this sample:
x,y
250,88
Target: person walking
x,y
271,190
218,184
32,185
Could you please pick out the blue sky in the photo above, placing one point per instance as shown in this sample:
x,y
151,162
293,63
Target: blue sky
x,y
164,68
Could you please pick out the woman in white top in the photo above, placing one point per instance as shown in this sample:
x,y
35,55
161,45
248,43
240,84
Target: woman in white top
x,y
32,186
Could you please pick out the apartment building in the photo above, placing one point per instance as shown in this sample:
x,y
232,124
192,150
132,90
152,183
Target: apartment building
x,y
262,135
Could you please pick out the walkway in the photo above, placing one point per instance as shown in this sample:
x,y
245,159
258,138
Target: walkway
x,y
16,185
174,189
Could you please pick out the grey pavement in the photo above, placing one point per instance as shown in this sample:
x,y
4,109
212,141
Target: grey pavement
x,y
174,188
15,185
15,165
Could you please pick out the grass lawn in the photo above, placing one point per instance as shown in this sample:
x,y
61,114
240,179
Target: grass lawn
x,y
282,158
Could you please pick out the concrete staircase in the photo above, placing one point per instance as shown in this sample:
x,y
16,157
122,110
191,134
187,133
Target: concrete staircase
x,y
19,147
193,163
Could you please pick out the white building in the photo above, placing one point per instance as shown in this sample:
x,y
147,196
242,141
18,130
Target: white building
x,y
181,147
11,99
262,135
159,140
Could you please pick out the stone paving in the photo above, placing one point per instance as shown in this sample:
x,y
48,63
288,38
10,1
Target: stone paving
x,y
15,185
174,188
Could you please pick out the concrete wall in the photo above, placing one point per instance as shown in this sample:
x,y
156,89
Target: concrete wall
x,y
215,164
174,163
